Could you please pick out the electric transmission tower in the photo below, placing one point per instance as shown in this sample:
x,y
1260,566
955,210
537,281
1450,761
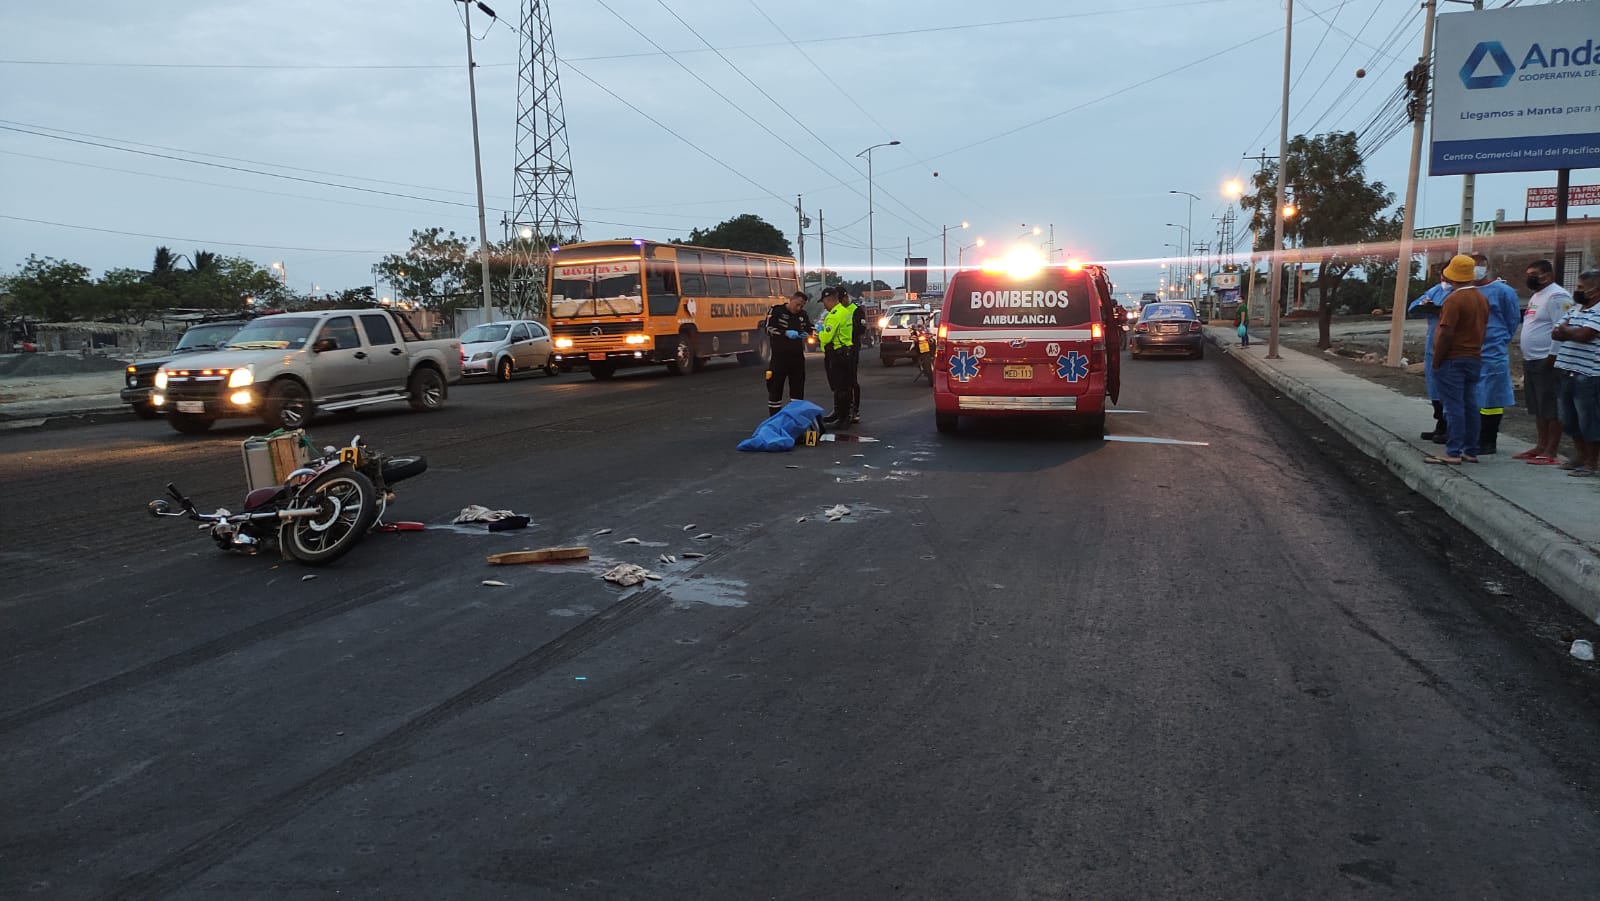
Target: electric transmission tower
x,y
545,209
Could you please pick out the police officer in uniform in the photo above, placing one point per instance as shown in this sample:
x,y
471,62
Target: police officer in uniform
x,y
858,331
788,324
840,336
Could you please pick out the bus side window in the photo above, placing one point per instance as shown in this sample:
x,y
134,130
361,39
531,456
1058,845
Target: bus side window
x,y
739,276
661,288
694,282
760,278
716,269
788,282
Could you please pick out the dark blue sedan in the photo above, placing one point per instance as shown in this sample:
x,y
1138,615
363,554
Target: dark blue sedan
x,y
1168,328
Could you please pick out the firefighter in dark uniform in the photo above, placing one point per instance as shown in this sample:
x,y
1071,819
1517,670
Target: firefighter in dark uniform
x,y
788,324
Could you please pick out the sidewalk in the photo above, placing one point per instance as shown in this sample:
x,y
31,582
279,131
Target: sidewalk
x,y
1536,516
29,402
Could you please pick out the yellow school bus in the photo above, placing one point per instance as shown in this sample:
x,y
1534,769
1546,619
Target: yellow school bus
x,y
627,303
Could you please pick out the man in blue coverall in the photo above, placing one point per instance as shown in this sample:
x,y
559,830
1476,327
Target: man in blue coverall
x,y
1505,322
1427,307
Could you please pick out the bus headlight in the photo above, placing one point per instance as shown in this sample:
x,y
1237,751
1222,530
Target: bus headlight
x,y
637,339
242,377
161,379
563,343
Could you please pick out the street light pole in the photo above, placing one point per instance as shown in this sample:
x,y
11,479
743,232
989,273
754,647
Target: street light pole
x,y
944,254
1190,228
1283,184
872,250
966,247
477,162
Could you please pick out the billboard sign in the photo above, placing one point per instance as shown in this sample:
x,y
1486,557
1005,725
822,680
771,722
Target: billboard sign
x,y
1516,90
917,275
1225,280
1577,195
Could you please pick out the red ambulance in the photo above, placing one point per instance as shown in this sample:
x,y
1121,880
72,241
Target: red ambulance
x,y
1017,338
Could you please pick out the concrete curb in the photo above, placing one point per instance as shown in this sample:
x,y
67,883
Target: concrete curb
x,y
47,418
1560,561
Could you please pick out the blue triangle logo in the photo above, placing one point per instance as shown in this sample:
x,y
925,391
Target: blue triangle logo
x,y
1502,61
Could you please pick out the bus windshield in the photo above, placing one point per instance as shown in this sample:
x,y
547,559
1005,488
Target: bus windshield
x,y
596,289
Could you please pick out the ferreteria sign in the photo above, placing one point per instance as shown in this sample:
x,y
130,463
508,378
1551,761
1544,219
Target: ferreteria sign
x,y
1517,90
1484,229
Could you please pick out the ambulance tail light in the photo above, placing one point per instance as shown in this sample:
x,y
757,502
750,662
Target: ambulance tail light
x,y
1097,347
944,331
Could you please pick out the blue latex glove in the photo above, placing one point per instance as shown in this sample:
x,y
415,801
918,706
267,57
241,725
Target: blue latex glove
x,y
792,335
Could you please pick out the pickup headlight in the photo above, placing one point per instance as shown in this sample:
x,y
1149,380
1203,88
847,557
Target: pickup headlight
x,y
563,343
161,379
241,378
482,355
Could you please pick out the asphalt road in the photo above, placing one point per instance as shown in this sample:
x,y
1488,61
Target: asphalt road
x,y
1026,666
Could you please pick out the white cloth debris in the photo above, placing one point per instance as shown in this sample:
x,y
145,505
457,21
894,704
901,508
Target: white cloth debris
x,y
837,510
627,574
479,513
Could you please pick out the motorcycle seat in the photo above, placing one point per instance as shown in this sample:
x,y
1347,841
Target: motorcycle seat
x,y
261,497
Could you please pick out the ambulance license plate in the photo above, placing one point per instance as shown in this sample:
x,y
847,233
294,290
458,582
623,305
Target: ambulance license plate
x,y
191,406
597,356
1019,372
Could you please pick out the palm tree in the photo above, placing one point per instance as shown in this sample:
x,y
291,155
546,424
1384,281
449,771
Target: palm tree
x,y
164,269
203,261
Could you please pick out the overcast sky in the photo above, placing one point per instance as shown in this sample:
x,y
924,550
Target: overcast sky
x,y
1084,117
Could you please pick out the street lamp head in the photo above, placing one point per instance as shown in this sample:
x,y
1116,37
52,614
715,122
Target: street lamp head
x,y
982,242
1289,211
1234,188
525,232
965,224
893,143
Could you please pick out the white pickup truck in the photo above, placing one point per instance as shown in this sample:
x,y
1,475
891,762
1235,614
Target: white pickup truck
x,y
287,367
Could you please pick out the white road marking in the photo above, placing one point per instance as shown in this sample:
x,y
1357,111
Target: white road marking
x,y
1139,439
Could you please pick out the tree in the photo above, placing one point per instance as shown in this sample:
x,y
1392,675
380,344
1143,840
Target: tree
x,y
747,232
128,295
827,278
164,269
432,272
48,289
1337,211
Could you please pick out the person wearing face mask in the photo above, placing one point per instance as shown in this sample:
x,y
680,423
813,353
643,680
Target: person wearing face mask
x,y
1547,306
1494,383
1457,345
1578,374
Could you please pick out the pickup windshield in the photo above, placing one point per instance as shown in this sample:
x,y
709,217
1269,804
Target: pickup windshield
x,y
596,289
289,333
207,337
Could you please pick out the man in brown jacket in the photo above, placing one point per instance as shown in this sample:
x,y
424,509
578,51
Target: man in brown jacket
x,y
1458,360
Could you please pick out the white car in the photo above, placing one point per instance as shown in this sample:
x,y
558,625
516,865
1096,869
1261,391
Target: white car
x,y
503,349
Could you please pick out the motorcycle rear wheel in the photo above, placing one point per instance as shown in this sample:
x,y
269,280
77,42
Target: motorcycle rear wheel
x,y
350,508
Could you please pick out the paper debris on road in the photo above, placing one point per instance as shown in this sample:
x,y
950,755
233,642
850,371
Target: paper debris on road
x,y
307,578
1582,649
703,536
837,510
493,583
667,558
630,541
689,528
602,532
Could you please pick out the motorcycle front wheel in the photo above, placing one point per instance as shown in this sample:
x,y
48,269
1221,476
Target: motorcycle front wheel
x,y
347,507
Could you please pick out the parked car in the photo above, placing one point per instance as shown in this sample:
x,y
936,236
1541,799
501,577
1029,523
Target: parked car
x,y
141,376
894,333
1172,327
286,368
506,348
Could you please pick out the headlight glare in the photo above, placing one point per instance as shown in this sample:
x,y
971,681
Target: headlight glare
x,y
241,378
161,379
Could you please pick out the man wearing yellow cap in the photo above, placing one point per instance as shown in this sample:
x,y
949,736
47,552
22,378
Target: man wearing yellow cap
x,y
1458,360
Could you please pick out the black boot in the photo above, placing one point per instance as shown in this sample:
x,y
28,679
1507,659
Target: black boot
x,y
1440,429
1488,432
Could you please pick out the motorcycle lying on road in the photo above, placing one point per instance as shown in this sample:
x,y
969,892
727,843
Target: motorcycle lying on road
x,y
320,512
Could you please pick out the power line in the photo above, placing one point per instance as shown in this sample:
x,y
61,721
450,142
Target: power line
x,y
931,29
198,241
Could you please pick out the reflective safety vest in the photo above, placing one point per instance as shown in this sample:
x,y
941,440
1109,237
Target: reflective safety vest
x,y
838,327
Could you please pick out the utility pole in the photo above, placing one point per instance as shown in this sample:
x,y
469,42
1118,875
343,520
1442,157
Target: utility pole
x,y
1253,301
1469,189
822,249
545,202
1283,182
477,160
872,249
1417,81
800,218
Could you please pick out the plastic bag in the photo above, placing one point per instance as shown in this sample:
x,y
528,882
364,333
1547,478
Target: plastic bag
x,y
1243,330
780,431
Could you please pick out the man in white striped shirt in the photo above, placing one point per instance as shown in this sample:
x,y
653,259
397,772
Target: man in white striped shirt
x,y
1577,339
